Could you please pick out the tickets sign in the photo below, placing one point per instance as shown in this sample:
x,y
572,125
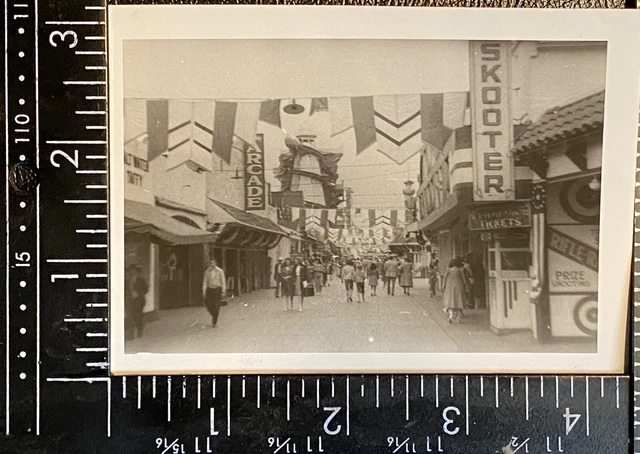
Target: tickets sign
x,y
505,217
254,182
493,173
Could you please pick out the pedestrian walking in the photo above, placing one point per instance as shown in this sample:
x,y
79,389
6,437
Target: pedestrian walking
x,y
302,280
391,273
455,291
288,284
372,275
348,275
432,276
277,277
136,289
214,287
360,278
318,272
406,276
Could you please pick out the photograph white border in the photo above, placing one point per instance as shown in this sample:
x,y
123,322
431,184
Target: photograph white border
x,y
619,28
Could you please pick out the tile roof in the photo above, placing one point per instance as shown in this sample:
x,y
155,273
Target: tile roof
x,y
563,122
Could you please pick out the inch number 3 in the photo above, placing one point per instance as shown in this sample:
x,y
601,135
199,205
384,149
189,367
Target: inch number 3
x,y
448,422
63,37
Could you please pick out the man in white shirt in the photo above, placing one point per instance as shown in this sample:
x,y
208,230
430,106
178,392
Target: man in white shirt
x,y
214,287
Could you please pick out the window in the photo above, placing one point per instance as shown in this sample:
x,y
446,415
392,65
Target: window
x,y
515,260
140,163
127,158
134,178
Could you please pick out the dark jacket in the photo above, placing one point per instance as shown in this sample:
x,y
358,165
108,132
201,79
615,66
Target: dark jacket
x,y
135,293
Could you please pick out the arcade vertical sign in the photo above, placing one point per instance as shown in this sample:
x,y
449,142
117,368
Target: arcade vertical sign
x,y
254,182
493,172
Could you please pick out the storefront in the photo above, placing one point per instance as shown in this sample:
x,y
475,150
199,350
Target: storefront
x,y
566,157
170,254
242,246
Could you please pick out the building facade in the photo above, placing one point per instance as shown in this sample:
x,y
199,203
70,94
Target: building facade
x,y
475,193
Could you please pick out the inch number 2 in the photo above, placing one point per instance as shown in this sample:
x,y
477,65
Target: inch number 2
x,y
73,160
448,422
63,37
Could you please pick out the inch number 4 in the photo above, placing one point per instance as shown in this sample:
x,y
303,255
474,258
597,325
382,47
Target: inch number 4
x,y
570,420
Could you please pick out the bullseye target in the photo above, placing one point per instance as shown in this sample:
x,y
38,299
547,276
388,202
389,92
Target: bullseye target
x,y
580,201
585,315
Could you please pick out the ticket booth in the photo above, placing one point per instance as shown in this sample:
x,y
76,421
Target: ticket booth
x,y
504,230
509,282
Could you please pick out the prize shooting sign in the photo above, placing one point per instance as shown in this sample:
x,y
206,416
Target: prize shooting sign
x,y
493,177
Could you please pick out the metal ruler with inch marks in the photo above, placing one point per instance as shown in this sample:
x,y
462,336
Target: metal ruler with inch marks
x,y
59,396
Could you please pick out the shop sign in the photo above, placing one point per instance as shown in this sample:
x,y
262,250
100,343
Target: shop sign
x,y
494,218
254,182
573,264
493,173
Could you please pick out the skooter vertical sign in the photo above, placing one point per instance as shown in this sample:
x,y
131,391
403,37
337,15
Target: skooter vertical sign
x,y
491,121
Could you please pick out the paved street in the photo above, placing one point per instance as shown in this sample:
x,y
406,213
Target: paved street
x,y
257,323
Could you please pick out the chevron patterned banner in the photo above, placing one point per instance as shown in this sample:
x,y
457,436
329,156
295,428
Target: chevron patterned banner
x,y
398,126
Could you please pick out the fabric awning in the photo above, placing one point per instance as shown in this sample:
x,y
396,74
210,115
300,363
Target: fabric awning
x,y
144,218
221,213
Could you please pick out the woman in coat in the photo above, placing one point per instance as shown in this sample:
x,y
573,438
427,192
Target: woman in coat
x,y
288,283
303,279
456,289
406,276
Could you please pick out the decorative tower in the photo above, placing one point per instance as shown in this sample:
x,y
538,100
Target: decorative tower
x,y
306,169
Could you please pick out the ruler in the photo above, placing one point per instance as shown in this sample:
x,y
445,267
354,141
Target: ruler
x,y
59,396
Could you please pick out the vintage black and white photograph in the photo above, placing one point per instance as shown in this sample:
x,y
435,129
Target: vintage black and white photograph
x,y
348,198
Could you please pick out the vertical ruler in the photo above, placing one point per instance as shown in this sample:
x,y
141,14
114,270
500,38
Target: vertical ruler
x,y
635,325
22,227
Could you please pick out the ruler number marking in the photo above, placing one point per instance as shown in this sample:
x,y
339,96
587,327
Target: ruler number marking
x,y
570,420
73,160
334,411
23,259
63,36
448,421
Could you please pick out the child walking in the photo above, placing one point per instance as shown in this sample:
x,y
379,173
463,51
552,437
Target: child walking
x,y
360,278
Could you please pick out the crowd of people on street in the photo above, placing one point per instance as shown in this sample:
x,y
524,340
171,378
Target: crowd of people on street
x,y
296,278
299,278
